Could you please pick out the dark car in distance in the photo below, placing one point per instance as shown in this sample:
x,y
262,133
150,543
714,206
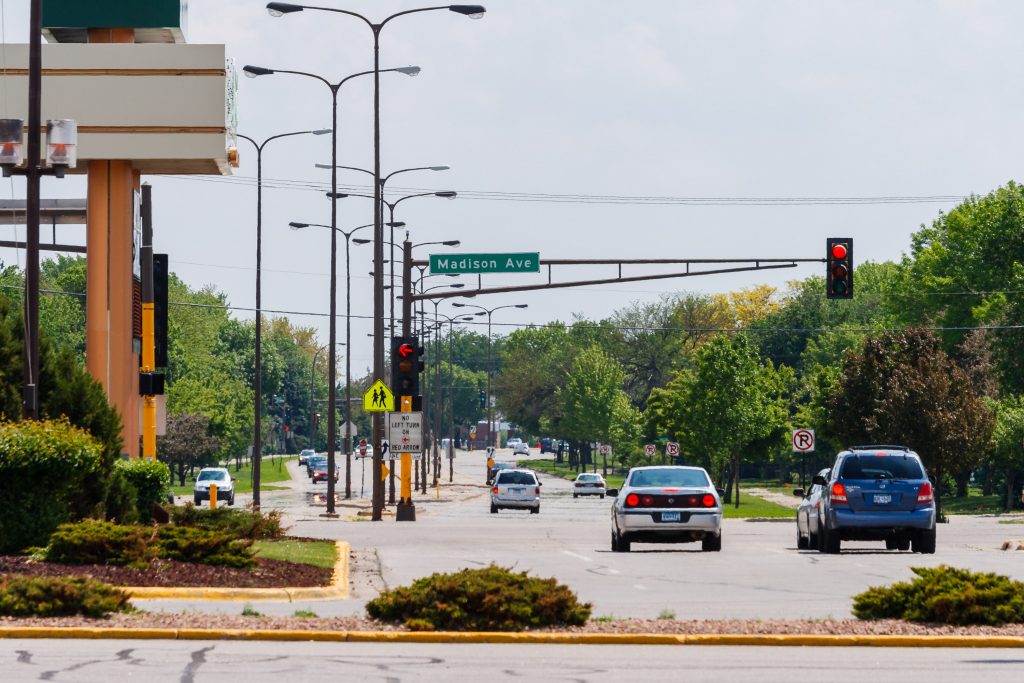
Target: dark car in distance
x,y
877,493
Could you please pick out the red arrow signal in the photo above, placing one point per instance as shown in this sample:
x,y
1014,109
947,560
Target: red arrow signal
x,y
406,350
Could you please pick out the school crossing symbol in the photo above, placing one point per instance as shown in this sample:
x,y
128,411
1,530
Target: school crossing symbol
x,y
379,399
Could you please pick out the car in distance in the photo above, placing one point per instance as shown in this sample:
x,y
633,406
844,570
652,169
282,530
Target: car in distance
x,y
320,472
312,461
519,447
877,493
807,515
588,484
515,488
669,504
304,454
214,475
548,445
495,468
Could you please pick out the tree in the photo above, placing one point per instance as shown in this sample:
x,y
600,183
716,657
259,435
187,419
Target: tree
x,y
902,388
186,443
1007,439
589,396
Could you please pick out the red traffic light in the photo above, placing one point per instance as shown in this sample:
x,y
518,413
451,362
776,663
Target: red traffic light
x,y
839,251
406,350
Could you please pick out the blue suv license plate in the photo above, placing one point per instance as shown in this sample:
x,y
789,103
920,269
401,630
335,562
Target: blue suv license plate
x,y
883,499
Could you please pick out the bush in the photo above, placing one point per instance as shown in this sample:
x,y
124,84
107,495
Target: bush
x,y
239,523
489,599
43,466
59,597
190,544
150,479
94,542
122,496
945,595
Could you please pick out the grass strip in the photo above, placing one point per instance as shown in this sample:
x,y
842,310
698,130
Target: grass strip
x,y
316,553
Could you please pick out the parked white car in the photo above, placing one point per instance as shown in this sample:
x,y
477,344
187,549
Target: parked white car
x,y
214,475
515,488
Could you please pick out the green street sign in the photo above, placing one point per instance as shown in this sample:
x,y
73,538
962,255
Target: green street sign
x,y
528,262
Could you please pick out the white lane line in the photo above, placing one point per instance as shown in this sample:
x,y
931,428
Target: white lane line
x,y
577,556
613,571
640,587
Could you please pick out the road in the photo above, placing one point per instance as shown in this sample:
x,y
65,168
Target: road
x,y
758,575
198,661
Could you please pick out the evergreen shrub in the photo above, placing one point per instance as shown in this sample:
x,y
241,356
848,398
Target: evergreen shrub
x,y
59,597
190,544
150,480
239,523
489,599
96,542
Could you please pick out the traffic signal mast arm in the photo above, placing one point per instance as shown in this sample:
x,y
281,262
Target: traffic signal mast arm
x,y
757,264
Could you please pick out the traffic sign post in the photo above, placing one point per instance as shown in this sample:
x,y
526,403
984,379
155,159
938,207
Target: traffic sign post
x,y
650,449
803,440
378,398
405,432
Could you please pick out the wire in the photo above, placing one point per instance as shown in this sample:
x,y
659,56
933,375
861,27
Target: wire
x,y
488,195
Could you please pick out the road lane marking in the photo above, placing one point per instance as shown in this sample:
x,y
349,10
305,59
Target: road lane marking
x,y
577,556
640,587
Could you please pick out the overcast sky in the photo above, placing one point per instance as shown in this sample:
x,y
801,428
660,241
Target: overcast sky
x,y
650,98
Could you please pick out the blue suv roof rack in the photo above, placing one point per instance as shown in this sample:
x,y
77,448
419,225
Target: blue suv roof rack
x,y
871,447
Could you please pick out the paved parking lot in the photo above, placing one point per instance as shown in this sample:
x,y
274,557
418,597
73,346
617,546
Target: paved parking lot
x,y
758,574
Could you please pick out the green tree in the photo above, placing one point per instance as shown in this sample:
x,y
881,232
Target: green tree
x,y
589,395
1007,438
186,444
902,388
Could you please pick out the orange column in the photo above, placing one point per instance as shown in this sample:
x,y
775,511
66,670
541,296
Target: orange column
x,y
110,356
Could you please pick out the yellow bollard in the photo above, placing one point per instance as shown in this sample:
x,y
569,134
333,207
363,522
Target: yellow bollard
x,y
213,496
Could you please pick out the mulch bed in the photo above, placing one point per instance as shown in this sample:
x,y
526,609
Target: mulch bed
x,y
164,573
194,620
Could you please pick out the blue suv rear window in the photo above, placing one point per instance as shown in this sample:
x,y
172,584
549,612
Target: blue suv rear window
x,y
871,466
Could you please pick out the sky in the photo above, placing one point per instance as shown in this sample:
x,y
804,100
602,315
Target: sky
x,y
682,100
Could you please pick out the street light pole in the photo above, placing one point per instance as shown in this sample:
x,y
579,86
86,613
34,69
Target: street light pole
x,y
489,312
406,511
257,436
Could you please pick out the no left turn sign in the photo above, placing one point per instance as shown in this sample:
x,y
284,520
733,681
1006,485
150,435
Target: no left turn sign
x,y
803,440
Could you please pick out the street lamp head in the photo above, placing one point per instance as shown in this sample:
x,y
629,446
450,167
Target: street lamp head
x,y
452,243
458,305
279,9
480,313
322,131
471,11
298,226
522,305
409,70
361,241
396,224
457,285
440,168
255,71
336,195
447,194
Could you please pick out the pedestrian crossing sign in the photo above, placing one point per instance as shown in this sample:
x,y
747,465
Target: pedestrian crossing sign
x,y
379,399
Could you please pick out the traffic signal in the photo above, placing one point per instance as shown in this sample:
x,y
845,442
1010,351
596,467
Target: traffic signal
x,y
839,276
288,416
483,398
406,365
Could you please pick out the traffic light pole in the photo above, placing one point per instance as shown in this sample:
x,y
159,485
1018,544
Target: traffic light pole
x,y
406,510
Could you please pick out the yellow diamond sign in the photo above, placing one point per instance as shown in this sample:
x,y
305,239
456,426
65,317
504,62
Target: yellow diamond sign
x,y
379,399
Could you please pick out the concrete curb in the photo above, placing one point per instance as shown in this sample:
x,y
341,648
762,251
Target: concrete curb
x,y
518,638
338,590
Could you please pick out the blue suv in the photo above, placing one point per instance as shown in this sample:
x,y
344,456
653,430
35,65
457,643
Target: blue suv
x,y
877,493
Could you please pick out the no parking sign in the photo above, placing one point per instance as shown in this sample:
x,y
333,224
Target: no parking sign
x,y
803,440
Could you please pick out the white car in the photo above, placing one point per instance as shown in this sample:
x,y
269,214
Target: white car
x,y
588,484
304,455
214,475
666,505
518,446
515,488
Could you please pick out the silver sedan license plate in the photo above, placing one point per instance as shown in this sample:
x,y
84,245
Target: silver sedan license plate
x,y
883,499
670,516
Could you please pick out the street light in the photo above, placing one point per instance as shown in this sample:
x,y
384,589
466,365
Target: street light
x,y
406,511
253,72
257,436
489,312
348,340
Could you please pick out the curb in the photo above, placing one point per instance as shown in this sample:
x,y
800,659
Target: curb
x,y
338,590
519,638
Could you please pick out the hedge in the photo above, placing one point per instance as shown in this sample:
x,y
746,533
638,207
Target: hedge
x,y
149,480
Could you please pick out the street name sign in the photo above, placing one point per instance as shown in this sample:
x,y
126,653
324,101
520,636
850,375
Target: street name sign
x,y
803,440
378,398
405,432
526,262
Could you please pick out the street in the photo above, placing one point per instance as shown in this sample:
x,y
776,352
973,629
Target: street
x,y
197,661
759,574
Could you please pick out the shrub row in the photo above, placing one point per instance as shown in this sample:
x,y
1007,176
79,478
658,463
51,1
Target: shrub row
x,y
489,599
945,595
59,597
96,542
251,524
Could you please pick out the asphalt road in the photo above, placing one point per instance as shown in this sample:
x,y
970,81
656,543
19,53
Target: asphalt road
x,y
197,661
759,574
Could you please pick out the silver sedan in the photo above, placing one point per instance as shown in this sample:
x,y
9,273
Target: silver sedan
x,y
666,505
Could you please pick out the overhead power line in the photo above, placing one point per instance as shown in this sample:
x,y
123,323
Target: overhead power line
x,y
634,200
